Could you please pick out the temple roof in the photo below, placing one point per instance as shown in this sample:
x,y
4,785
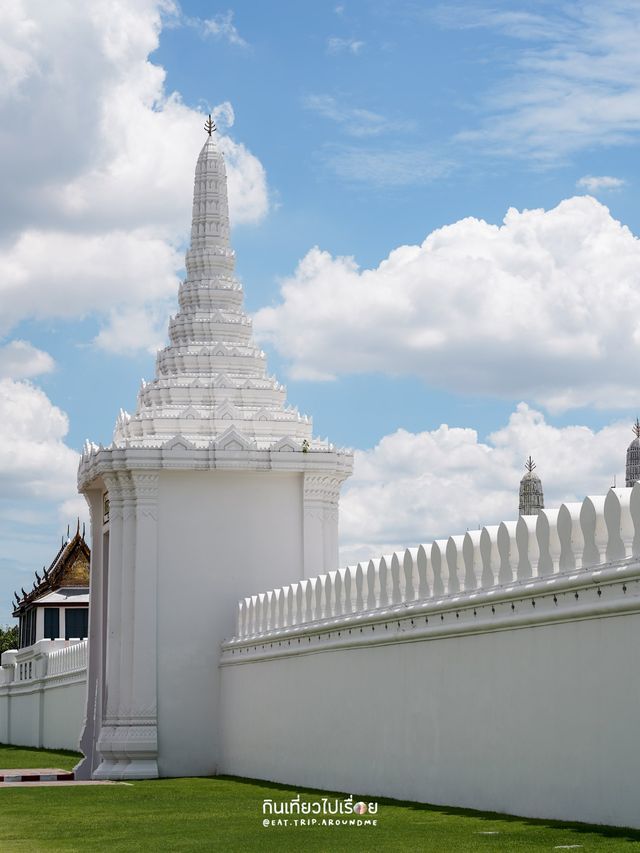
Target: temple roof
x,y
67,575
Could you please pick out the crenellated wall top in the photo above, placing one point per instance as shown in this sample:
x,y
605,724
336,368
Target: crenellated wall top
x,y
512,567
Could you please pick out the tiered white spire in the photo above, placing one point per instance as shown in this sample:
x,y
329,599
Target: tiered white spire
x,y
211,377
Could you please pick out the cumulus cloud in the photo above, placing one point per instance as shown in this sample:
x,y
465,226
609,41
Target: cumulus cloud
x,y
594,183
417,487
51,273
545,306
38,495
97,169
34,460
21,360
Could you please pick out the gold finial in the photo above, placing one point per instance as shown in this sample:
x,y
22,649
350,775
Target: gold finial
x,y
210,125
636,428
529,464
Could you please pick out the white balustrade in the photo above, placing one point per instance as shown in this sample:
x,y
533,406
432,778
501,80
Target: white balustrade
x,y
575,536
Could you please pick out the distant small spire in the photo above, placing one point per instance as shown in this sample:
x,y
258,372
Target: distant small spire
x,y
632,470
531,494
210,125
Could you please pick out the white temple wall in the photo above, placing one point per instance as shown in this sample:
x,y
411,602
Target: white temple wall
x,y
221,535
538,721
43,705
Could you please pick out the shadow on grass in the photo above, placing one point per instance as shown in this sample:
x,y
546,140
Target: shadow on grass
x,y
604,831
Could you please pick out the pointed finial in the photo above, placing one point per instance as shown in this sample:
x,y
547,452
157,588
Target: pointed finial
x,y
636,428
78,526
210,125
83,530
529,464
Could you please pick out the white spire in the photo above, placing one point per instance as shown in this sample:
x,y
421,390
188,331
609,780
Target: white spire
x,y
211,376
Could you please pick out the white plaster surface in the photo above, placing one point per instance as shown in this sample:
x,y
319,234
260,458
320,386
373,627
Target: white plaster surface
x,y
539,721
221,534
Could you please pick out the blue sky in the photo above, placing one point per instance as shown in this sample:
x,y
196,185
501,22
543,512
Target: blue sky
x,y
353,132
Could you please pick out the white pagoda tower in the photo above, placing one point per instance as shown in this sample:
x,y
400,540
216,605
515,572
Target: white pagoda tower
x,y
212,489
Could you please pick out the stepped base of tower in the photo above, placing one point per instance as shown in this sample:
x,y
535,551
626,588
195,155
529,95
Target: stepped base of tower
x,y
175,546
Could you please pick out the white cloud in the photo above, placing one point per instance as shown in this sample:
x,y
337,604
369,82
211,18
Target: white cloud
x,y
545,306
573,80
594,183
21,360
335,44
38,493
222,27
56,274
98,167
353,120
34,460
391,166
134,329
413,488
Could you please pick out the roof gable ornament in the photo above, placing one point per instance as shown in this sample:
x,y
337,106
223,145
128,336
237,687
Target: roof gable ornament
x,y
233,439
178,442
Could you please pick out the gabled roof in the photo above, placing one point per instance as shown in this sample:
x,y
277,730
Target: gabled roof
x,y
70,568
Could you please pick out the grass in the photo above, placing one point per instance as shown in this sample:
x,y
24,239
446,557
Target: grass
x,y
225,814
24,757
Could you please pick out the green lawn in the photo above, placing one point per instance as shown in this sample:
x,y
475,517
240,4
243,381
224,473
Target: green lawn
x,y
225,814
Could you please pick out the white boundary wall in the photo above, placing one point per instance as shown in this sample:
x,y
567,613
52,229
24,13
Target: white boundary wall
x,y
43,694
494,671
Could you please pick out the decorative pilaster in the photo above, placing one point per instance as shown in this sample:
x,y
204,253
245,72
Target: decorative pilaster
x,y
97,604
321,494
128,740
